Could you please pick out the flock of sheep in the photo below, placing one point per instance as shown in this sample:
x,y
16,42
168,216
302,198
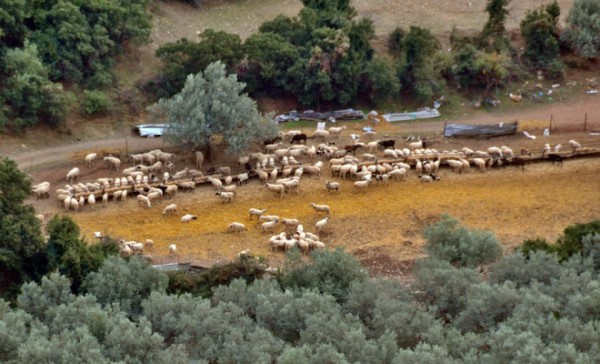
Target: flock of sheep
x,y
280,167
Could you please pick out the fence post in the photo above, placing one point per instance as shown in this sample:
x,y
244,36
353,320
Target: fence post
x,y
444,132
551,119
126,146
585,122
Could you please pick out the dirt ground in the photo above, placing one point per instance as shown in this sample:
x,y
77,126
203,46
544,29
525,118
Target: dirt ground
x,y
382,227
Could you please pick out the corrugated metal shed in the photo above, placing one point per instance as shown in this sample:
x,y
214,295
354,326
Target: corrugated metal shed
x,y
485,131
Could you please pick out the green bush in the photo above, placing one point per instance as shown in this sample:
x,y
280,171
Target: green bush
x,y
95,102
447,240
571,242
583,27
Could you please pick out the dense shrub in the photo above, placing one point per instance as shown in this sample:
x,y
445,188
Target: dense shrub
x,y
95,102
583,27
447,240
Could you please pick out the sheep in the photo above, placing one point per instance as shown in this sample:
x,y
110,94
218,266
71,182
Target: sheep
x,y
143,200
125,251
556,158
263,176
290,222
268,218
42,191
230,188
361,186
156,167
495,152
136,248
187,186
332,186
154,195
386,144
398,174
149,158
321,224
171,190
455,165
293,183
337,131
320,134
269,226
243,177
149,243
276,188
574,145
91,200
73,174
136,158
188,218
105,197
300,138
172,249
225,171
390,153
113,162
320,208
236,227
256,212
226,197
417,145
479,163
316,171
170,209
89,159
199,159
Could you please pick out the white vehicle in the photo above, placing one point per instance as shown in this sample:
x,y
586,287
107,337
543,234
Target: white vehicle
x,y
150,130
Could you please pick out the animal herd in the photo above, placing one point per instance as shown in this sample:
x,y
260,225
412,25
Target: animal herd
x,y
280,167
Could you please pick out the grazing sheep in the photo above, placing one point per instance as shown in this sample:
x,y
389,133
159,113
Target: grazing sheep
x,y
316,171
149,243
290,222
172,249
187,186
300,138
320,208
277,188
152,196
320,134
42,190
125,251
144,201
171,190
479,163
157,167
73,174
457,166
89,159
230,188
170,210
398,174
188,218
236,227
332,186
268,218
256,212
136,158
321,224
361,186
113,162
226,197
269,226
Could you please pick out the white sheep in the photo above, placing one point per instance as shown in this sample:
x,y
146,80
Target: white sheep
x,y
398,174
416,145
332,186
269,226
230,188
320,134
226,197
73,174
91,200
479,163
243,177
199,159
361,186
321,224
337,131
188,218
143,201
236,227
170,209
187,185
280,189
574,145
268,218
89,159
256,212
113,162
456,166
171,190
320,208
290,222
42,190
172,249
149,243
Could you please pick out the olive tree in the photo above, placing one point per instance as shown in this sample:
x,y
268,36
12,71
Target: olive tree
x,y
211,107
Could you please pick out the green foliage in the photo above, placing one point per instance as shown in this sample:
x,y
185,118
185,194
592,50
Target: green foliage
x,y
329,272
536,245
417,75
383,82
22,249
395,43
571,242
186,57
246,268
493,36
95,102
28,93
583,27
540,31
212,105
127,283
447,240
70,255
525,268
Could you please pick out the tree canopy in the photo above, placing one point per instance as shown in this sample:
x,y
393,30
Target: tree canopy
x,y
211,107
